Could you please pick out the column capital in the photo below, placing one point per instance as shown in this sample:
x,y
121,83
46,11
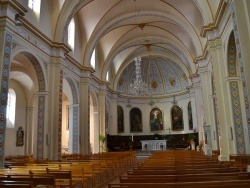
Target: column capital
x,y
85,80
86,72
230,78
215,44
203,71
43,93
74,105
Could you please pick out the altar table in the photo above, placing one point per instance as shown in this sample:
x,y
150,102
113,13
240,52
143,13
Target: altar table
x,y
153,145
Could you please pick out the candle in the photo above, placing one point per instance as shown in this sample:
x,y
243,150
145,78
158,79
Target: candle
x,y
132,138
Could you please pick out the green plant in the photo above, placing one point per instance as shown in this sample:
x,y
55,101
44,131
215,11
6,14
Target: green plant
x,y
102,140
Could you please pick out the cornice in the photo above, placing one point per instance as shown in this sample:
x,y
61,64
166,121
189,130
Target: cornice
x,y
73,61
218,18
15,5
42,36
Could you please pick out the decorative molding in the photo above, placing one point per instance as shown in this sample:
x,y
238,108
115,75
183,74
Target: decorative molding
x,y
218,18
241,67
4,92
237,117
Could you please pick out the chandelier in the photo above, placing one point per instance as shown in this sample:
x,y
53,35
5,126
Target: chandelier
x,y
138,87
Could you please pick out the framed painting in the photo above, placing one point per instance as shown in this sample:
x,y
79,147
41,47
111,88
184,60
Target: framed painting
x,y
135,120
190,116
120,119
156,119
177,118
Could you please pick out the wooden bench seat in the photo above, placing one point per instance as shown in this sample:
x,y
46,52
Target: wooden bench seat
x,y
46,180
205,184
181,178
16,184
184,171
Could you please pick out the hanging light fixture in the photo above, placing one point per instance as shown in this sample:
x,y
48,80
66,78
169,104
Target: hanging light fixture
x,y
138,87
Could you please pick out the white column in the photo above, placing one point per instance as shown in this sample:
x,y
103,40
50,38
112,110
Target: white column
x,y
53,133
102,109
84,114
219,70
96,143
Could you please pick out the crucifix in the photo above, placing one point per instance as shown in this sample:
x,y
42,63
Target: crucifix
x,y
168,130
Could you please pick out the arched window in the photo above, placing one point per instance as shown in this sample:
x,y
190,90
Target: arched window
x,y
35,5
92,61
11,109
71,34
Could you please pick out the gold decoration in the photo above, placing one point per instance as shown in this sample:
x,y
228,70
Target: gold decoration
x,y
154,84
172,81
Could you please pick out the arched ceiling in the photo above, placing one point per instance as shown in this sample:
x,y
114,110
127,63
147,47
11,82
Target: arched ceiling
x,y
162,75
121,30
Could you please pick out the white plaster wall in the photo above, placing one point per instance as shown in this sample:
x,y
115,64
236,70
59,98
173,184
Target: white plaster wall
x,y
91,126
65,130
20,121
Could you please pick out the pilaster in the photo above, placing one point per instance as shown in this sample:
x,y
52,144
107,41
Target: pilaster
x,y
113,128
240,19
73,128
102,109
219,73
55,108
84,117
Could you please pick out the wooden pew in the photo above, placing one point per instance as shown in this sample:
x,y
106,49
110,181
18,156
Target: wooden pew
x,y
239,160
16,184
45,180
62,177
183,178
205,184
185,171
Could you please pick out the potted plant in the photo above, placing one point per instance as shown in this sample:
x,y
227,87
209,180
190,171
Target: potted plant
x,y
102,140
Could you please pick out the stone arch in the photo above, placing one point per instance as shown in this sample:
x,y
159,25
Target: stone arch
x,y
74,113
94,129
41,102
95,101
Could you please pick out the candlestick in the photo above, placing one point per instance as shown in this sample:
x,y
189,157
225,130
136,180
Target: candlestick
x,y
132,138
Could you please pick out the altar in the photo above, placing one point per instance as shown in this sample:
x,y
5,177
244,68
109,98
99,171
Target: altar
x,y
153,145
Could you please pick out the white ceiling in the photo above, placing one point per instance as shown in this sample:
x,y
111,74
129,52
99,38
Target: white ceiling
x,y
124,29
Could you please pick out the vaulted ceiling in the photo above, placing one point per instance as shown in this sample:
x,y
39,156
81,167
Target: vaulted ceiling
x,y
120,30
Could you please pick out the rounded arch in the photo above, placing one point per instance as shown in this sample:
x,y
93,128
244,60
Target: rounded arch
x,y
73,90
37,65
232,56
135,116
177,118
95,100
94,129
120,119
